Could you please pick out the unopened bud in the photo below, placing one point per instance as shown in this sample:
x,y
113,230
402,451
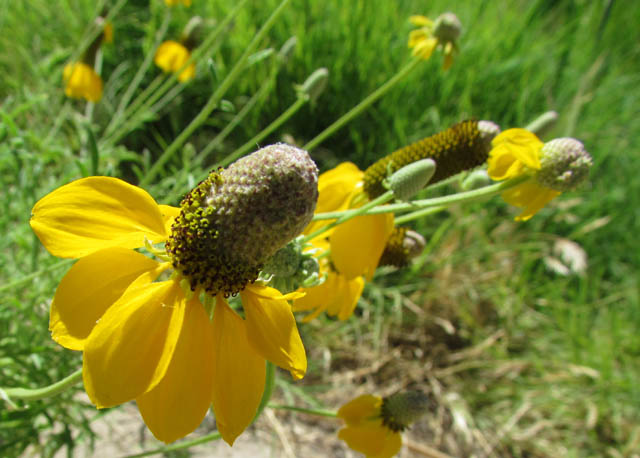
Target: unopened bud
x,y
287,48
410,179
475,180
564,164
191,34
315,84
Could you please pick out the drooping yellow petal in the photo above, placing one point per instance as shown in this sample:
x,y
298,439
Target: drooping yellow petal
x,y
91,286
356,246
514,150
424,48
178,404
337,295
336,187
530,196
361,410
375,441
129,350
346,300
239,373
420,20
94,213
272,329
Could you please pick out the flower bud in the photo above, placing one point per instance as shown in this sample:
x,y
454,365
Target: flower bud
x,y
564,164
401,409
410,179
237,218
315,84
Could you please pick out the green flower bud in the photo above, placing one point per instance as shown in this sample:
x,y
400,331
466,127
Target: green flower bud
x,y
315,84
564,164
237,218
401,409
447,28
475,180
410,179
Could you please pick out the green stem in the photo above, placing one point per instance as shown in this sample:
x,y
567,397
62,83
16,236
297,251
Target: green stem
x,y
345,216
319,412
355,111
417,215
179,446
41,393
269,385
302,99
418,205
213,101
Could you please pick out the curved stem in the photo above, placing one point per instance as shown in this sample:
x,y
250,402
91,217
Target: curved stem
x,y
41,393
359,108
269,385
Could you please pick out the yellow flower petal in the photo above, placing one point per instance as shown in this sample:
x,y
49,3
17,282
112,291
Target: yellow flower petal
x,y
531,196
239,373
178,404
171,56
129,350
82,82
91,286
349,292
513,150
336,187
361,410
337,295
420,20
272,329
169,214
94,213
424,48
356,246
373,441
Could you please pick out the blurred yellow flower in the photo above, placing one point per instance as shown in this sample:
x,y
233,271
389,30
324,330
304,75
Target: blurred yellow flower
x,y
150,340
177,2
355,246
517,152
82,82
443,32
171,57
107,32
365,431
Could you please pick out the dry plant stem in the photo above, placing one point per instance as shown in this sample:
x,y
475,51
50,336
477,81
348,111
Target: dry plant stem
x,y
213,101
130,118
319,412
359,108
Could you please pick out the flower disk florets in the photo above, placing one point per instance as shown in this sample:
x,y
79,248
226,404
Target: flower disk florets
x,y
564,164
237,218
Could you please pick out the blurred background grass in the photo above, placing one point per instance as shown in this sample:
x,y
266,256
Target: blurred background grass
x,y
520,360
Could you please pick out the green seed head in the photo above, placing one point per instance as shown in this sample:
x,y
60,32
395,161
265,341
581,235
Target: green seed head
x,y
447,28
237,218
461,147
401,409
564,164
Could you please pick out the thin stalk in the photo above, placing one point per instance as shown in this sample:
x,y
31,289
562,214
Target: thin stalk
x,y
269,385
416,205
345,216
213,101
45,392
417,215
302,99
355,111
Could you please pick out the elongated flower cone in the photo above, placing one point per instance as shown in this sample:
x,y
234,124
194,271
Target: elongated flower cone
x,y
236,219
